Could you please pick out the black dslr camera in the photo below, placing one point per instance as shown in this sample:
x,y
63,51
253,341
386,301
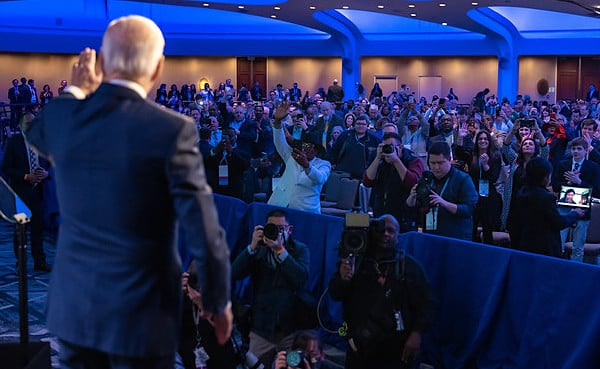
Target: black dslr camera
x,y
358,232
424,187
271,231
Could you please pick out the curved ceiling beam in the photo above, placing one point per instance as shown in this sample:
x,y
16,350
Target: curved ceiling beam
x,y
498,28
340,27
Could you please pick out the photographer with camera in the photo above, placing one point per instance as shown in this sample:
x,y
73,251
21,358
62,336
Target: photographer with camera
x,y
392,174
226,164
448,197
386,300
278,267
306,352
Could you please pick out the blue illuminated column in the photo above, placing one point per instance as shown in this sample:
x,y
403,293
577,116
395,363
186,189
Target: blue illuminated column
x,y
350,75
346,33
508,76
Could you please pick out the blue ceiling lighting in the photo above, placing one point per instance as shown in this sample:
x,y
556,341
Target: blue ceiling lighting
x,y
375,26
309,27
536,23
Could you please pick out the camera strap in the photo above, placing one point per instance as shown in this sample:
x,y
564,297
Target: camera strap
x,y
431,218
484,184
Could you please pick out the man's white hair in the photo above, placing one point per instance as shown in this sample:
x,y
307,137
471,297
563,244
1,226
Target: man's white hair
x,y
132,46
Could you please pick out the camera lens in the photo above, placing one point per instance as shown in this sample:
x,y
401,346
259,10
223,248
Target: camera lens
x,y
271,231
387,149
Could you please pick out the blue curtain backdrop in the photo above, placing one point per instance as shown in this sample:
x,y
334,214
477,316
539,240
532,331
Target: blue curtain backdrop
x,y
496,308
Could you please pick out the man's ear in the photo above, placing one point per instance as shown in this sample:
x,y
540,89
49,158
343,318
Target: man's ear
x,y
159,69
100,63
290,229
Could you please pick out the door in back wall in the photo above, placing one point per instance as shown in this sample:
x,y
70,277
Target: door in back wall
x,y
251,69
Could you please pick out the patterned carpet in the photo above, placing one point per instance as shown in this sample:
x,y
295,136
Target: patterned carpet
x,y
9,294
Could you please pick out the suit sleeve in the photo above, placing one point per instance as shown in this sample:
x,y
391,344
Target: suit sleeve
x,y
10,168
195,208
295,270
467,198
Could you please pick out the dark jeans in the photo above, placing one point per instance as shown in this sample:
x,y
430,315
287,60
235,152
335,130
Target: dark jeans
x,y
77,357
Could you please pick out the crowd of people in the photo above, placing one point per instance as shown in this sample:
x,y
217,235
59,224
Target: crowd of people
x,y
438,166
490,141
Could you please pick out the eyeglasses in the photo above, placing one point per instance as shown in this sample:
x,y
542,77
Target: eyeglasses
x,y
446,120
360,124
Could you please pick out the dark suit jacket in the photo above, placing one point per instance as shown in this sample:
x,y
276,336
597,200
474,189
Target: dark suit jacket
x,y
12,96
295,95
15,165
237,163
538,222
589,175
24,94
334,120
126,169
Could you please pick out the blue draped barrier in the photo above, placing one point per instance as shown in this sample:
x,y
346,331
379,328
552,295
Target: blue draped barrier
x,y
496,308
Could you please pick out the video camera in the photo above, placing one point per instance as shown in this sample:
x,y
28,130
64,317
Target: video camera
x,y
358,232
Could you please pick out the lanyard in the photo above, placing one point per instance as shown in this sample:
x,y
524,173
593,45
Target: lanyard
x,y
444,187
434,211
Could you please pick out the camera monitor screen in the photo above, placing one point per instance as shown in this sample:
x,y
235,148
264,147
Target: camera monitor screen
x,y
579,197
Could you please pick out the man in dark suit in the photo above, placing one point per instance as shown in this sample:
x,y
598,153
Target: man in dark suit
x,y
33,92
225,166
592,92
326,122
335,92
126,170
295,93
13,98
577,171
24,92
26,172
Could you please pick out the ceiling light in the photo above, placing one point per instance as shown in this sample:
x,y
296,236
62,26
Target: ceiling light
x,y
277,8
413,14
411,5
206,4
273,16
240,7
444,24
474,3
345,7
380,6
442,4
312,7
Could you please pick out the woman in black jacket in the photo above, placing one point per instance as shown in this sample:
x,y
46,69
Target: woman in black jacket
x,y
484,169
538,220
